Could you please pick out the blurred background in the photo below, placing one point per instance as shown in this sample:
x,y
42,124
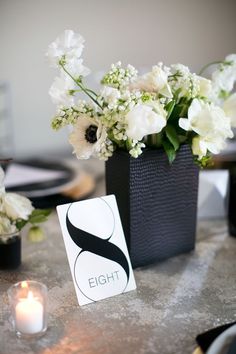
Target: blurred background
x,y
192,32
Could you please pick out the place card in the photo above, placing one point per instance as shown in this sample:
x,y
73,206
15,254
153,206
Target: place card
x,y
96,248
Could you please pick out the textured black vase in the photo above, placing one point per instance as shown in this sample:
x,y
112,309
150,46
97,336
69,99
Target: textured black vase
x,y
157,202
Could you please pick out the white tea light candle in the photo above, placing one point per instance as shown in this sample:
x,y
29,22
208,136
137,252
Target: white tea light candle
x,y
29,315
28,302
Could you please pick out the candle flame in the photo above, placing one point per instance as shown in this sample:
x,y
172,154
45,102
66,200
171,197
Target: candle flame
x,y
30,295
24,284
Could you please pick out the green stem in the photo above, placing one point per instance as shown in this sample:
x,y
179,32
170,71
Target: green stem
x,y
91,91
209,64
82,87
85,89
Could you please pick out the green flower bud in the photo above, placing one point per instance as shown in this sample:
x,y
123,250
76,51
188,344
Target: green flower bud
x,y
36,234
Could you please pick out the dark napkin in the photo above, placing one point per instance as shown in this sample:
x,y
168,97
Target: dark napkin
x,y
205,339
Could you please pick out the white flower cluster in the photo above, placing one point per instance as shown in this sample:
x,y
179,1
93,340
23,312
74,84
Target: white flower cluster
x,y
13,207
165,107
118,77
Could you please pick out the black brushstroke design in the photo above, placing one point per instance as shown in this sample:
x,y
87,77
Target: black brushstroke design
x,y
96,245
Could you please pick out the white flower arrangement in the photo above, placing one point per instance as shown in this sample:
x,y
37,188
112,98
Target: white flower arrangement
x,y
165,107
16,211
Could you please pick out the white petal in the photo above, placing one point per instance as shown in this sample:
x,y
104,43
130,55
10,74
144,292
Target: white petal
x,y
184,124
166,91
194,109
199,147
230,108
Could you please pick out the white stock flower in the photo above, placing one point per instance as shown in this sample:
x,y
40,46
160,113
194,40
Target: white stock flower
x,y
229,107
87,137
154,81
59,91
210,123
68,44
16,206
142,120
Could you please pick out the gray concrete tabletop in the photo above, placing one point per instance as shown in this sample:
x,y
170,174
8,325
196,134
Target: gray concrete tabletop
x,y
175,300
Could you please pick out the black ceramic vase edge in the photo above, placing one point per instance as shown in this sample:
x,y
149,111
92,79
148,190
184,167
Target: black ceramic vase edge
x,y
10,251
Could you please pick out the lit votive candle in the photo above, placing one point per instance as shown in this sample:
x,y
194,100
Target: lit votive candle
x,y
29,315
28,307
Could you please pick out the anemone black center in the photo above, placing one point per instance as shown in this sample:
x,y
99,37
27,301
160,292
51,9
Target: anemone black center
x,y
91,134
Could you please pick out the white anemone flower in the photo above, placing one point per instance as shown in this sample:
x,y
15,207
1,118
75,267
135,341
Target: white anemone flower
x,y
229,107
87,137
60,91
68,45
154,81
210,123
143,120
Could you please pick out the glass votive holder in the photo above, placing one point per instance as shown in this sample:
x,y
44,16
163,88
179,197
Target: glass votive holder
x,y
28,304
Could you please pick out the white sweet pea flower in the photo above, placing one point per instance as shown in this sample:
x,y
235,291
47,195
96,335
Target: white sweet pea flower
x,y
232,58
68,45
154,81
76,68
224,78
87,137
142,120
16,206
229,107
210,123
60,91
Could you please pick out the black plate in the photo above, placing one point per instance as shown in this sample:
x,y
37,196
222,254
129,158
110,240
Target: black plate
x,y
45,194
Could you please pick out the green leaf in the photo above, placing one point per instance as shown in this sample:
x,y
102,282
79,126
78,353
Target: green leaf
x,y
169,108
180,110
128,144
206,161
39,215
45,212
20,224
172,136
170,151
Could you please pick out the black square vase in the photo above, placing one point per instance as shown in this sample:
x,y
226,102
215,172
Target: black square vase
x,y
157,202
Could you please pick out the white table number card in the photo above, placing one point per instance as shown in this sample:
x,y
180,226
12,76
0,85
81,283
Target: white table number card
x,y
96,248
